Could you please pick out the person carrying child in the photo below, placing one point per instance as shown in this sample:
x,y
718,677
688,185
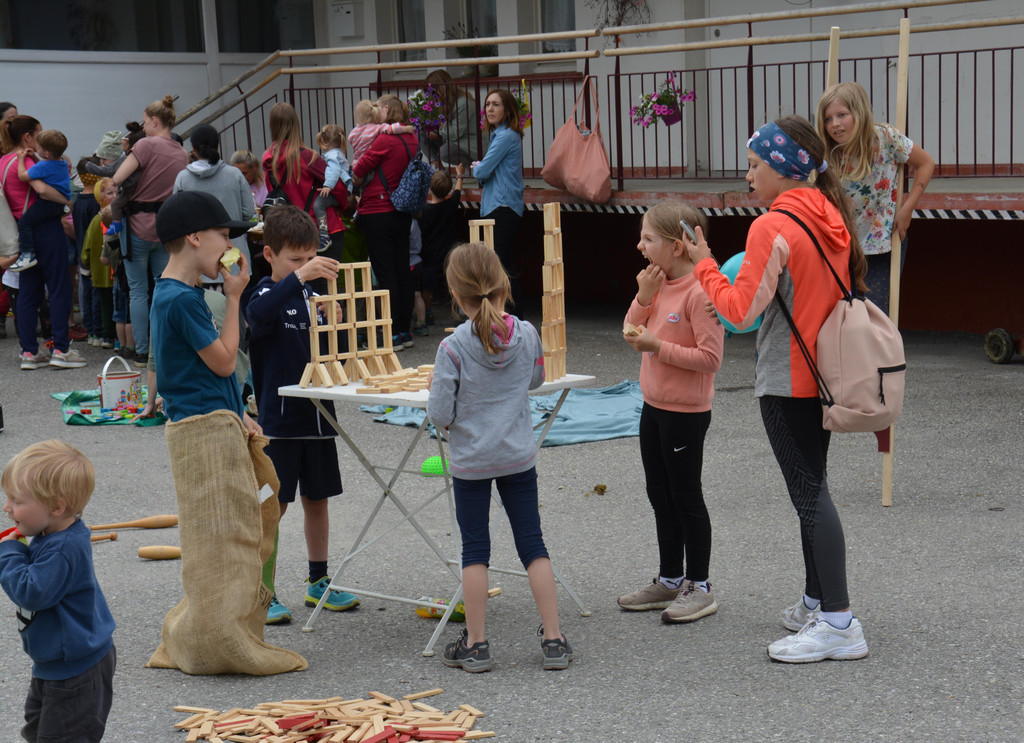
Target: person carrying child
x,y
482,374
302,444
370,121
226,533
331,141
867,156
789,171
681,347
438,231
51,170
65,624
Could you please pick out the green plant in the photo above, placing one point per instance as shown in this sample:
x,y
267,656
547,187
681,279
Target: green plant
x,y
460,32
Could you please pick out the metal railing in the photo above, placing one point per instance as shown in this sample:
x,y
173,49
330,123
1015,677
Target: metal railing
x,y
961,107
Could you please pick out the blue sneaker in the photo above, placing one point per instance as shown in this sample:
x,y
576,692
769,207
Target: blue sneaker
x,y
277,613
337,601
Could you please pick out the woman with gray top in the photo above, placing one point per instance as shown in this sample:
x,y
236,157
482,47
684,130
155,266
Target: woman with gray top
x,y
214,176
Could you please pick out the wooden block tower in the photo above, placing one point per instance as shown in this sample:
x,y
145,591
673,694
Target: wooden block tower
x,y
338,313
553,303
487,226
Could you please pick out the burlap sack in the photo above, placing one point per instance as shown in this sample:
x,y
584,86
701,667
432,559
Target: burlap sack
x,y
226,536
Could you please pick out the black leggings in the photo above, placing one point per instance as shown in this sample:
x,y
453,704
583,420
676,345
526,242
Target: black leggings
x,y
387,239
672,450
800,443
506,228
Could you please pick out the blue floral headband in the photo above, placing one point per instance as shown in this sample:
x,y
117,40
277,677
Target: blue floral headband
x,y
783,154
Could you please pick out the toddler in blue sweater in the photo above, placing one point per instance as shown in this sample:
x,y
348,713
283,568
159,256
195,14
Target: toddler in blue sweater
x,y
63,618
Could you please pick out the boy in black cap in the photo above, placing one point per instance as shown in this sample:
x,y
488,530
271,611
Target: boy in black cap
x,y
195,364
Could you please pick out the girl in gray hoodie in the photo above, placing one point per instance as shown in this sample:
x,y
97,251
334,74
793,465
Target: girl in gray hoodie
x,y
482,376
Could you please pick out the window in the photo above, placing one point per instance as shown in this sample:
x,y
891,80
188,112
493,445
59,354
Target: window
x,y
412,27
112,26
265,26
482,18
558,15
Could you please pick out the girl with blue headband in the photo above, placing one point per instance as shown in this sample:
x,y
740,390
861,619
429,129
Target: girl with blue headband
x,y
789,171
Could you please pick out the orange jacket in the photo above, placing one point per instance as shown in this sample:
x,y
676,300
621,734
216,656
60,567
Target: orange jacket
x,y
781,257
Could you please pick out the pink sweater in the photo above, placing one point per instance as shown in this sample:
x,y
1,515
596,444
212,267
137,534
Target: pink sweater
x,y
680,377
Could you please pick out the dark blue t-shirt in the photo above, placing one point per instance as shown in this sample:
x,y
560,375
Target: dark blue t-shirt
x,y
181,325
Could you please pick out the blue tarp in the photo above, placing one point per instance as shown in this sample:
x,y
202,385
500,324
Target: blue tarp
x,y
586,415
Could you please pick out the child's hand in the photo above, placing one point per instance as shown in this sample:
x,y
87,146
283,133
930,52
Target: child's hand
x,y
251,427
645,341
325,191
235,283
709,307
902,221
10,535
700,251
649,282
154,404
320,267
460,170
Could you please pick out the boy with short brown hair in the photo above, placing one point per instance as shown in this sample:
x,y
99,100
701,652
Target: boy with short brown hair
x,y
302,445
63,619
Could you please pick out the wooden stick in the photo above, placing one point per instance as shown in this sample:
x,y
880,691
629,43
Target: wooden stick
x,y
112,536
160,552
150,522
902,70
832,77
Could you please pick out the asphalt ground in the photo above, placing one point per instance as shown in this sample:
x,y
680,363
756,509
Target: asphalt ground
x,y
933,579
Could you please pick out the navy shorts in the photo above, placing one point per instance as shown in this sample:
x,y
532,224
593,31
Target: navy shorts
x,y
311,465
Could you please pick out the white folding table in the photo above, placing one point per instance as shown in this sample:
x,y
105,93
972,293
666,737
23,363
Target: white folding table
x,y
349,394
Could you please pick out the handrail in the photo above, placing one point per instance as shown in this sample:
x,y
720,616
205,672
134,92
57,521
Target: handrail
x,y
460,62
821,36
449,43
228,86
224,109
780,15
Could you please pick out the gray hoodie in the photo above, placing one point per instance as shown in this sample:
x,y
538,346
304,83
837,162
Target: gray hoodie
x,y
227,183
482,400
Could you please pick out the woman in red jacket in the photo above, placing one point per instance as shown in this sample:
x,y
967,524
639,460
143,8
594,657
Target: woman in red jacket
x,y
387,229
300,172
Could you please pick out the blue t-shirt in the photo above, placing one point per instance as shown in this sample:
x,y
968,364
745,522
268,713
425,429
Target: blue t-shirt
x,y
500,173
53,173
181,325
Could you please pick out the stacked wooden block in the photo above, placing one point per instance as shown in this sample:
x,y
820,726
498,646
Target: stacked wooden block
x,y
406,380
379,719
337,313
553,302
484,226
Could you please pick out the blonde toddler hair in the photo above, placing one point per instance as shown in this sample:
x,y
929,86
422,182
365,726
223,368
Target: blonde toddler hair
x,y
332,137
364,112
53,473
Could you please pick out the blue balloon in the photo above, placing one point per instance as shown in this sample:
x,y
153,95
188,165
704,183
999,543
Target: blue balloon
x,y
730,268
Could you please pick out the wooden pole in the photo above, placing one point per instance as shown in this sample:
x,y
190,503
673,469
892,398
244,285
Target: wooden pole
x,y
894,256
832,74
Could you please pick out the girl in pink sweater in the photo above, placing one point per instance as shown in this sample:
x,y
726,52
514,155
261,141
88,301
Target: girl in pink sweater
x,y
681,347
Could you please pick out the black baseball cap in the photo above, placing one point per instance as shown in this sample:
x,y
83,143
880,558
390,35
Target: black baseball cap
x,y
194,211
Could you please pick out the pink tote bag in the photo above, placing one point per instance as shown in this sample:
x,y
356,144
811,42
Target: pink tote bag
x,y
578,162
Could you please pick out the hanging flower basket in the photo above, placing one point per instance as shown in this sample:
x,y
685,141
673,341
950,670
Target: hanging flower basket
x,y
426,110
665,104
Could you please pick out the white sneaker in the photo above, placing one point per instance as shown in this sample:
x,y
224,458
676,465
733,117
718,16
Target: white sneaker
x,y
819,640
25,260
69,359
796,616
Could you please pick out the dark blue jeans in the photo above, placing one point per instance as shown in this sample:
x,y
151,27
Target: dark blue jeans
x,y
50,277
472,510
73,710
36,214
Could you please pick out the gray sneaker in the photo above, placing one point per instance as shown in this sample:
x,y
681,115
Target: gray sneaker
x,y
475,659
652,596
692,604
34,360
69,359
796,616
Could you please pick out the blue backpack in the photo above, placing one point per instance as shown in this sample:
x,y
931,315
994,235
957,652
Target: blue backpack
x,y
411,195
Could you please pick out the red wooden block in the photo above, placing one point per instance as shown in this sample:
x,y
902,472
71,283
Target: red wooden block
x,y
287,723
387,734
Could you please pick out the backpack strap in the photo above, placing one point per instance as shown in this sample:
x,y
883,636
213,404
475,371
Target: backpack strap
x,y
826,396
274,185
379,172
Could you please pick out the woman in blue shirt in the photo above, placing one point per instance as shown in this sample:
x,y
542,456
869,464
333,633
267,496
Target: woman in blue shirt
x,y
500,175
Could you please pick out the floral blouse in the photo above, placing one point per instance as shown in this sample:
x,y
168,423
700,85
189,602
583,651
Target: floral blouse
x,y
874,199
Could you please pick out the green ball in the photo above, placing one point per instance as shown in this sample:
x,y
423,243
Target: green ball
x,y
432,467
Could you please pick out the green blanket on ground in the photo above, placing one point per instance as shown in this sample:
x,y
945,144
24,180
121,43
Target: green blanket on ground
x,y
82,408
